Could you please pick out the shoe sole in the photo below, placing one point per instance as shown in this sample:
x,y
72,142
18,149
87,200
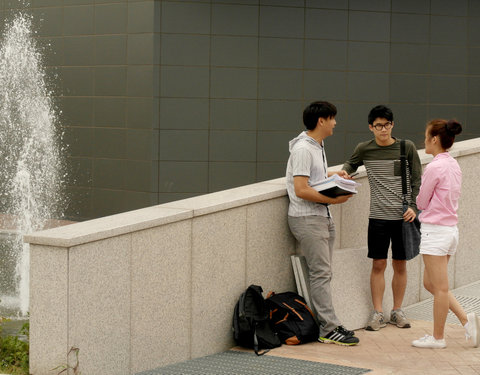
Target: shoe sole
x,y
370,328
328,341
399,326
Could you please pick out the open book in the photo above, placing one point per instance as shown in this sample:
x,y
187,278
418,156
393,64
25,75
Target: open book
x,y
335,186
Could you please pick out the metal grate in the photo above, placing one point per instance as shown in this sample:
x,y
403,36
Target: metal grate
x,y
468,296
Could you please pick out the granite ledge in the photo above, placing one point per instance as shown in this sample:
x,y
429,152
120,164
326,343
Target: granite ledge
x,y
108,226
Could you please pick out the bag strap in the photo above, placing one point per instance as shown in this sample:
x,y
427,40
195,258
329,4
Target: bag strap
x,y
403,164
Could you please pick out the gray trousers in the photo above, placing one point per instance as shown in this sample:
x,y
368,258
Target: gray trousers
x,y
316,235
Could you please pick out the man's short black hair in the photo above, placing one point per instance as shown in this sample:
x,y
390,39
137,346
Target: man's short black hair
x,y
380,111
315,110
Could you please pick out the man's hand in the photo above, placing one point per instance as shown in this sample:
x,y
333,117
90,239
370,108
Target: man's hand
x,y
409,215
341,173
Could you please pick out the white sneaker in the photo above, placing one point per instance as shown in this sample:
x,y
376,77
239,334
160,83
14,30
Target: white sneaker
x,y
472,329
429,342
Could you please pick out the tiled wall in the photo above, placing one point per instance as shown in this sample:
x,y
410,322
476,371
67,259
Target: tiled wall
x,y
164,100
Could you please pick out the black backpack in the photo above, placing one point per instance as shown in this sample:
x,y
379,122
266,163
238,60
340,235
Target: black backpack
x,y
252,327
292,319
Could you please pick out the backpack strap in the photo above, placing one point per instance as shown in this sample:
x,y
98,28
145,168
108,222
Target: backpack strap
x,y
403,165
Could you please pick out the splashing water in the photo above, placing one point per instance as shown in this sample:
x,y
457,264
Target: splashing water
x,y
30,162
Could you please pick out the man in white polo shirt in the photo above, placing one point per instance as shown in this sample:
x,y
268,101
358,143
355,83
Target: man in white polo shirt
x,y
309,217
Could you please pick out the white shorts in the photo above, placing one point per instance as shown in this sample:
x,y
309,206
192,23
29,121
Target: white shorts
x,y
438,240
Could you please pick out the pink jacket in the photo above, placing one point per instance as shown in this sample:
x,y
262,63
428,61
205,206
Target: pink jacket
x,y
440,191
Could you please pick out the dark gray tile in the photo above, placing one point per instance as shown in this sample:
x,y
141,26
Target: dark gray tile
x,y
364,56
325,85
77,111
269,171
142,16
286,3
142,113
133,200
110,81
233,83
228,114
78,2
356,117
411,6
408,88
328,4
111,50
473,114
187,177
473,60
281,22
280,84
79,50
316,51
143,49
143,81
111,18
184,81
142,144
185,50
170,197
223,176
335,149
448,59
109,143
232,145
410,28
79,171
448,30
245,2
372,5
185,18
234,51
79,20
184,145
46,3
273,146
448,90
353,139
473,31
326,24
48,21
473,91
52,49
410,118
449,8
177,114
109,112
141,176
473,8
280,115
109,173
79,141
77,81
234,19
281,53
107,202
409,58
458,112
79,203
369,26
372,87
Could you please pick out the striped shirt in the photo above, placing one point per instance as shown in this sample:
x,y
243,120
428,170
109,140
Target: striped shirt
x,y
307,158
385,178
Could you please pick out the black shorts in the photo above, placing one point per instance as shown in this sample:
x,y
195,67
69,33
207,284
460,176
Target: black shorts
x,y
380,233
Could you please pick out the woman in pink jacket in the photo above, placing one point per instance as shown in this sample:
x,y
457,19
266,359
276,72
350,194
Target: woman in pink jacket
x,y
438,200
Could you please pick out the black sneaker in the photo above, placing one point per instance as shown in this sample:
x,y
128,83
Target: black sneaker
x,y
339,336
345,331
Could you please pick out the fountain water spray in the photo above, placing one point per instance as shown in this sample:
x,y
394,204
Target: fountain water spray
x,y
31,179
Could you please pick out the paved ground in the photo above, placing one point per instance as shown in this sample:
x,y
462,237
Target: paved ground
x,y
389,351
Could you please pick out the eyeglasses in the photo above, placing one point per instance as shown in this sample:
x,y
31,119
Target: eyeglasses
x,y
379,126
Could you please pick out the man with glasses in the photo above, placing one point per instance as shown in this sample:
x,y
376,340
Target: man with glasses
x,y
381,159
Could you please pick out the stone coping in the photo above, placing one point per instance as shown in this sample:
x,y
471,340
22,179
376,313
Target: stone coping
x,y
132,221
